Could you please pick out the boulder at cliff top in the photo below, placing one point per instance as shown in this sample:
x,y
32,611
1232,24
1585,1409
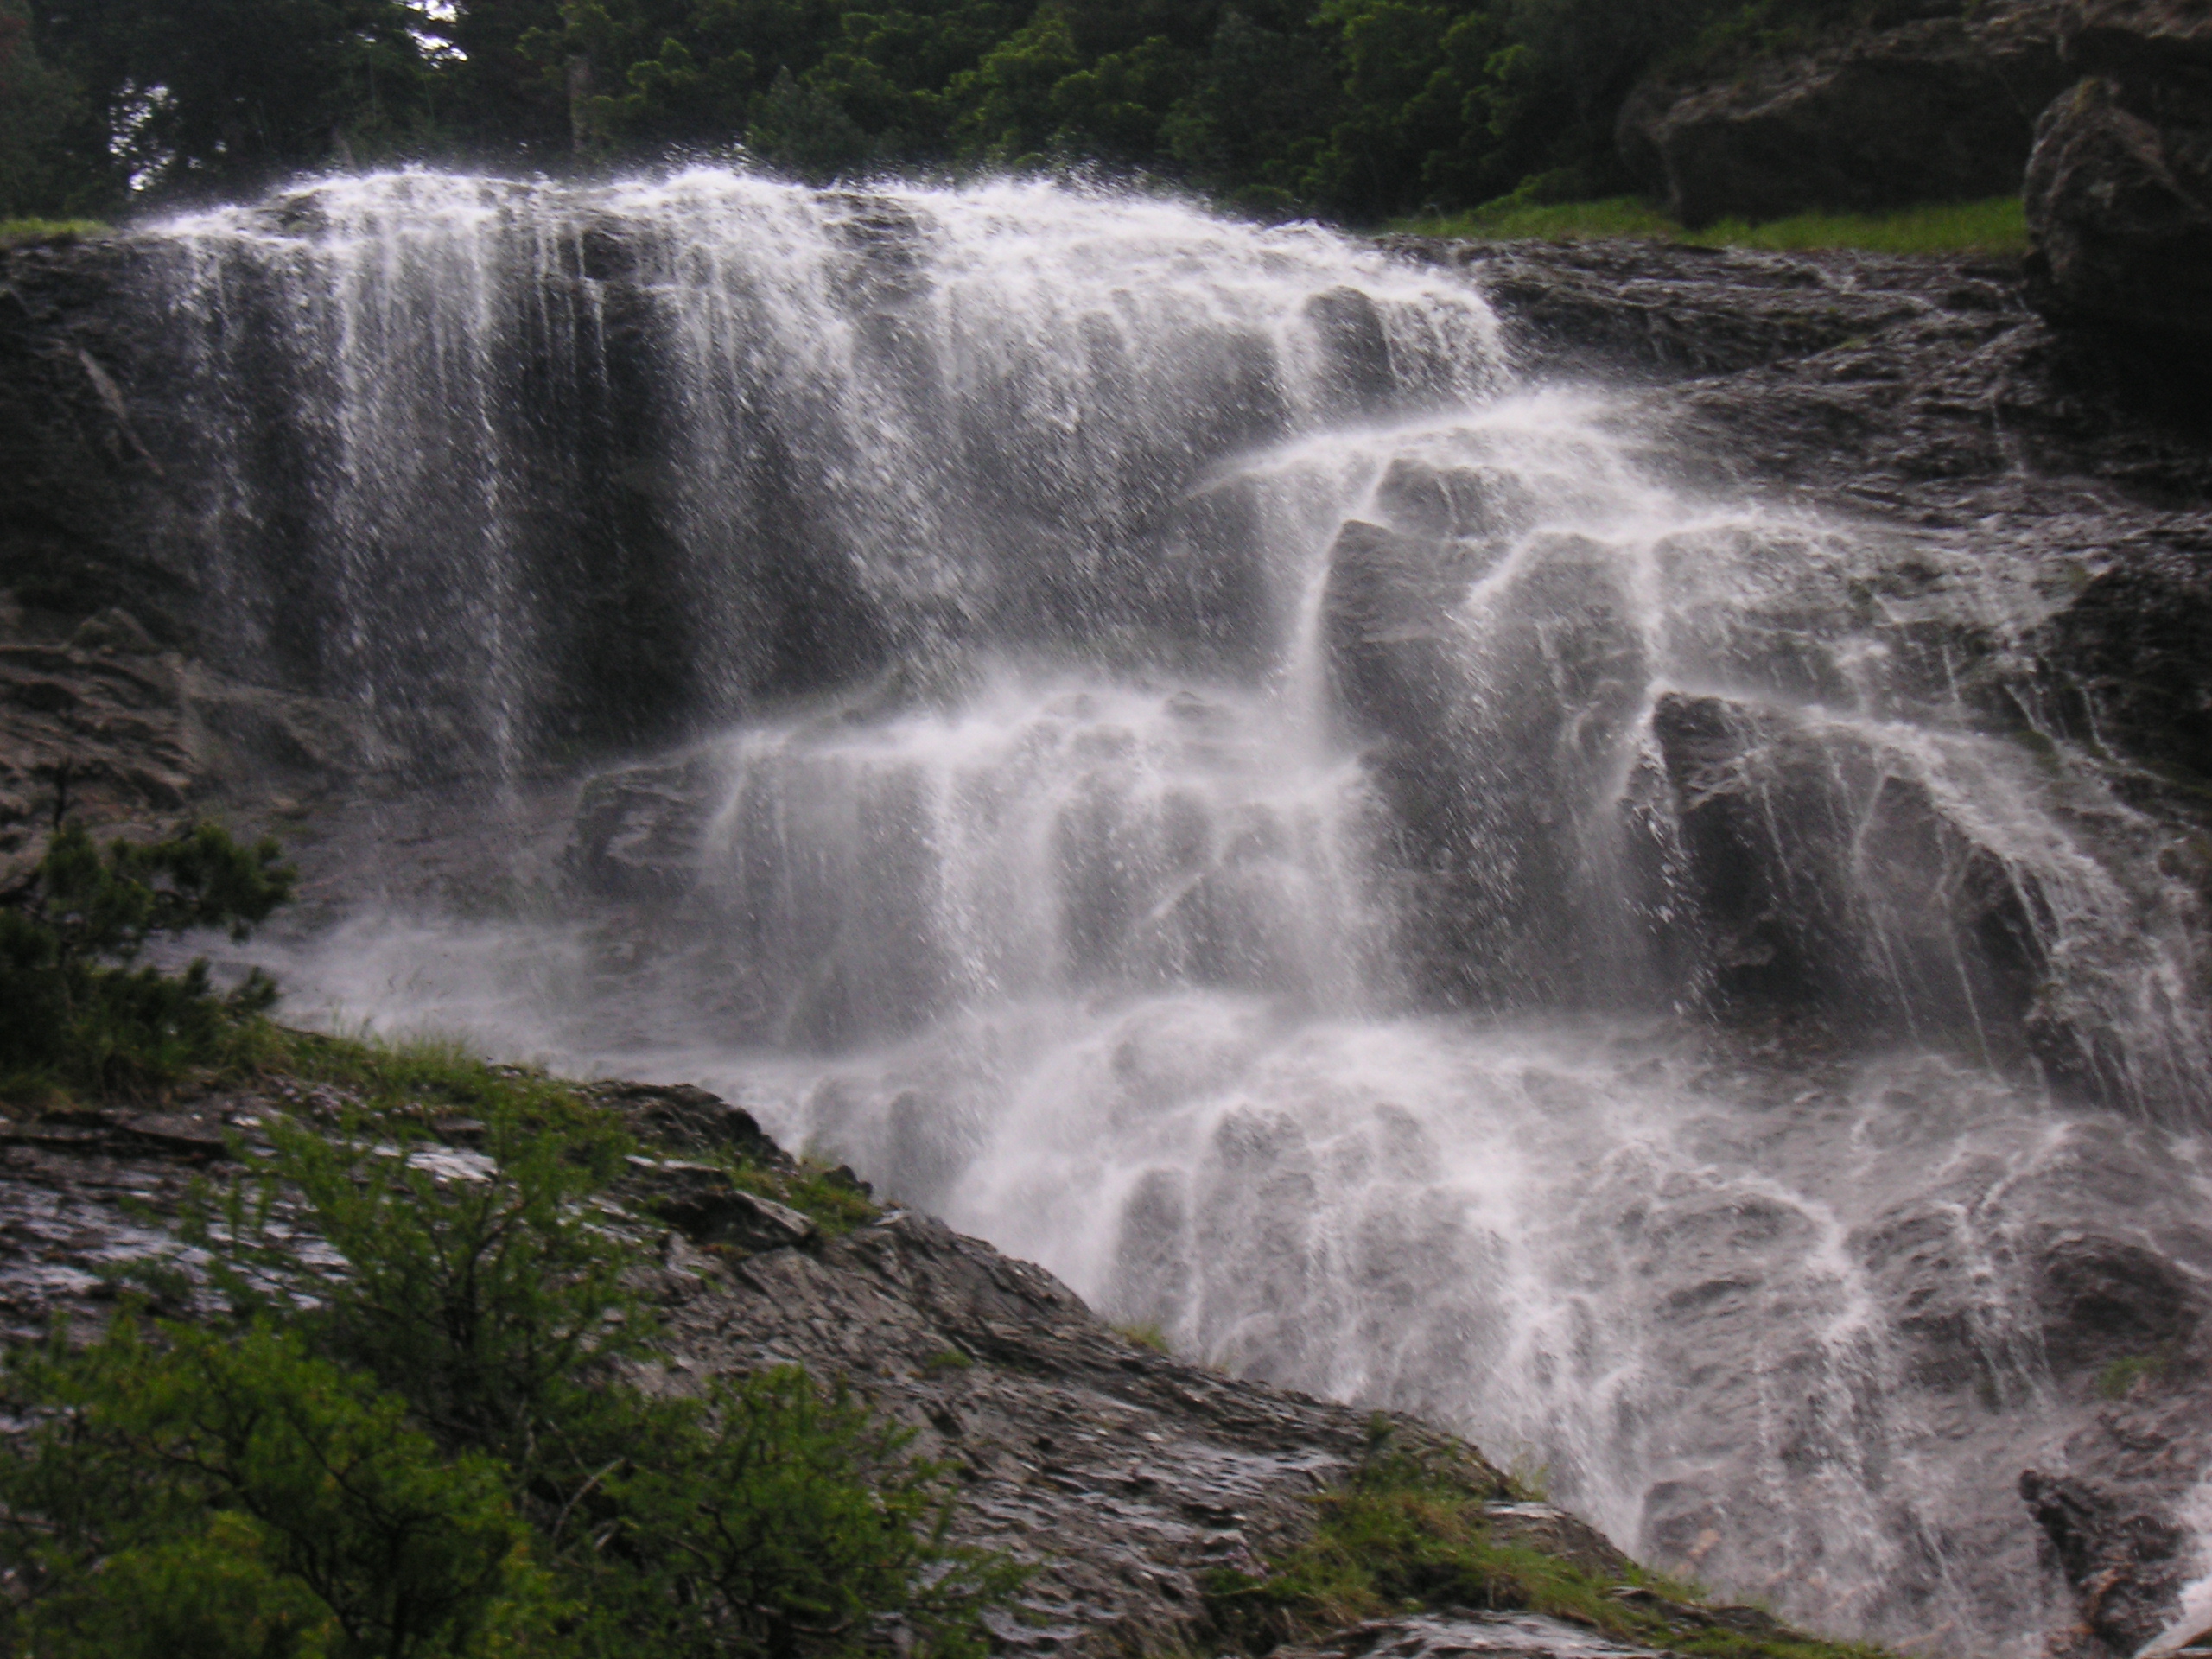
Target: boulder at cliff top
x,y
2119,188
1941,109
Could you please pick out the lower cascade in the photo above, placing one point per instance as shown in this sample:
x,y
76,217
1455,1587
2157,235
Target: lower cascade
x,y
1167,743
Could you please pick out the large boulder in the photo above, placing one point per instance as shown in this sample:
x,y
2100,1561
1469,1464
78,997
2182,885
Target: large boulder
x,y
2119,188
1939,109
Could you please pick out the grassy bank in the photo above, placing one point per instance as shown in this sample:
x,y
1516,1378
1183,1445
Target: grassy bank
x,y
25,233
1997,225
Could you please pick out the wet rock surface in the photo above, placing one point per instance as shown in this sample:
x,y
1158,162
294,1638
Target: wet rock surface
x,y
1925,394
131,738
1125,1474
2119,189
1435,1637
1937,109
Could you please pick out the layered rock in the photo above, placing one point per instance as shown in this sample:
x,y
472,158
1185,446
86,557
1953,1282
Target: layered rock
x,y
1126,1477
2119,188
1940,109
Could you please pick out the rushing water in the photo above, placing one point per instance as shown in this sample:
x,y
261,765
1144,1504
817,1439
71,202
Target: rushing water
x,y
1168,752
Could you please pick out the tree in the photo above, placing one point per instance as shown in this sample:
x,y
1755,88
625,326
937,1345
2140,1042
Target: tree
x,y
186,1491
45,130
74,1011
226,95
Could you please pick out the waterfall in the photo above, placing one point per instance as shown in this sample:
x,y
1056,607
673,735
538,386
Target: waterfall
x,y
1146,735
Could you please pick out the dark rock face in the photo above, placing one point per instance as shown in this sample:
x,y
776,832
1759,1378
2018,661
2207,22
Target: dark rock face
x,y
2119,188
2125,1564
1924,393
82,499
1941,109
131,736
1790,918
2135,641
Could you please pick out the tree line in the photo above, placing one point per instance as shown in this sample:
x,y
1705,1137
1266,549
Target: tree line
x,y
1353,109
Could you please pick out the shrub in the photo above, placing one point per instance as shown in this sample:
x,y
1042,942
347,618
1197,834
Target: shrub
x,y
797,1524
480,1297
76,1014
491,1300
185,1490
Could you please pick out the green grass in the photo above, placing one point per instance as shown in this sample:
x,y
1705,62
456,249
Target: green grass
x,y
430,1077
812,1189
1565,221
25,233
2117,1378
1997,225
1407,1535
420,1079
1144,1336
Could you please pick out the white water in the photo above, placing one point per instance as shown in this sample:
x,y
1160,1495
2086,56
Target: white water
x,y
1246,843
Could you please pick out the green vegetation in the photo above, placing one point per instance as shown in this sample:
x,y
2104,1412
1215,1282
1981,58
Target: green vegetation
x,y
427,1440
27,233
1359,110
1409,1533
79,1015
1144,1336
2115,1380
433,1438
836,1203
431,1443
1998,225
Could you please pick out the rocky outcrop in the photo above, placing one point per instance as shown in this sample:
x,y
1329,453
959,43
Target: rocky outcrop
x,y
81,496
95,717
1940,109
2119,188
1125,1476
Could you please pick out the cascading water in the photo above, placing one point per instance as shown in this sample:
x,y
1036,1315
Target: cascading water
x,y
1173,757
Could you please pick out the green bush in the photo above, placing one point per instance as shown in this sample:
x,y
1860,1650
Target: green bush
x,y
481,1301
429,1439
73,1012
493,1302
189,1492
795,1524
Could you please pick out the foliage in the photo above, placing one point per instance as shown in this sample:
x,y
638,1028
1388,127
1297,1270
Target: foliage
x,y
830,1197
791,1526
41,110
478,1293
187,1491
490,1299
1998,225
77,1013
2117,1379
1510,220
1409,1533
26,233
230,94
1358,109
